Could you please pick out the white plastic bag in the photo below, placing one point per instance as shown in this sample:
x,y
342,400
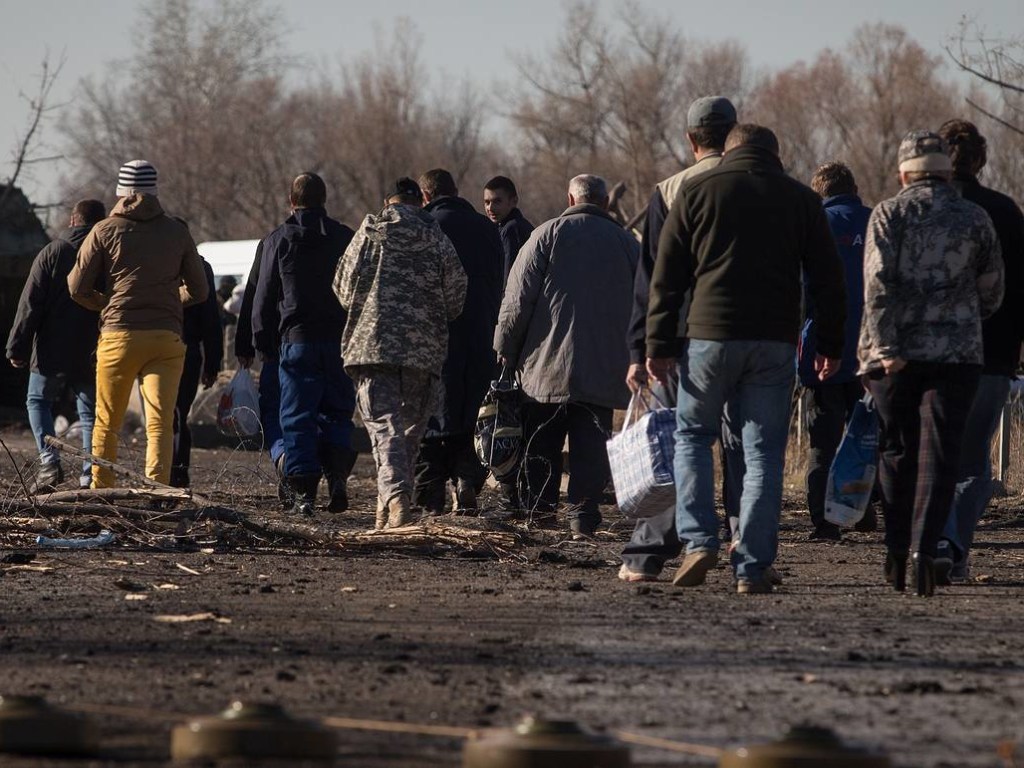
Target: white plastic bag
x,y
238,413
851,478
641,459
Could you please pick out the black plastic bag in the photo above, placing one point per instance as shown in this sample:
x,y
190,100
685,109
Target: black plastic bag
x,y
498,437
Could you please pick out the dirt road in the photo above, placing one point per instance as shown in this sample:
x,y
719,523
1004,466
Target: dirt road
x,y
551,631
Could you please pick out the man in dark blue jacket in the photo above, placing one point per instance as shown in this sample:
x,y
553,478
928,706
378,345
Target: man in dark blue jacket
x,y
294,306
203,335
501,204
830,403
446,453
57,337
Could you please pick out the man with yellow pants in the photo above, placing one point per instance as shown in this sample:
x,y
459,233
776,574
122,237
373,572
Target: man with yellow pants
x,y
138,268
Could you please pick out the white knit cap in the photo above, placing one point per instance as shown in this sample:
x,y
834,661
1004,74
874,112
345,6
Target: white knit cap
x,y
137,177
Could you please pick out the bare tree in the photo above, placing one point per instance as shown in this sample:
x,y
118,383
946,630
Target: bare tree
x,y
40,107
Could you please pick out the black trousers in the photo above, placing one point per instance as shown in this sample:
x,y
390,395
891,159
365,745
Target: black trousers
x,y
545,428
187,389
923,412
829,407
442,460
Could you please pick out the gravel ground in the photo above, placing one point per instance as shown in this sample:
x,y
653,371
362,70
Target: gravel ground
x,y
550,631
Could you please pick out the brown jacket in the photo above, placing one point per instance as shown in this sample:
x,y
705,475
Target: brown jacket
x,y
138,268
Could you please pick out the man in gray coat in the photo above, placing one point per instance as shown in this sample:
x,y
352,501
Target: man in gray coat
x,y
565,311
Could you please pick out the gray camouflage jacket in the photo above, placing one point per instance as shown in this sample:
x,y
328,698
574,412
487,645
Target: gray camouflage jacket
x,y
932,271
401,282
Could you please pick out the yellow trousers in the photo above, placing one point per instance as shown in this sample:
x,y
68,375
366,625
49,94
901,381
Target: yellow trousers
x,y
155,358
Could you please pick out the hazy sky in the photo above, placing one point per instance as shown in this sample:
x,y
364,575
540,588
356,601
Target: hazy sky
x,y
460,38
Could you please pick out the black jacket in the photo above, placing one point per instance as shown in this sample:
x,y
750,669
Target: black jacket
x,y
740,235
514,231
243,330
50,330
470,364
201,327
1003,332
294,300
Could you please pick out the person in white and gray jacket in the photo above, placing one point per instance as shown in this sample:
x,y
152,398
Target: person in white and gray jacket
x,y
562,325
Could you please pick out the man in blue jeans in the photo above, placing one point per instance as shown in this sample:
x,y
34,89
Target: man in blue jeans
x,y
294,303
739,236
57,337
1001,338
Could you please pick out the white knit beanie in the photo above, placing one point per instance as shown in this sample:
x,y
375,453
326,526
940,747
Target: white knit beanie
x,y
137,177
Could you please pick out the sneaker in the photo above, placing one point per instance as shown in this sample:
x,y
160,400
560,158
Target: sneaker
x,y
961,572
826,532
630,576
47,479
694,570
761,586
85,482
942,565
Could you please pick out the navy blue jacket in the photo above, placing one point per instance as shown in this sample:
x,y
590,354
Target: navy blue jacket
x,y
202,329
636,335
243,329
471,364
848,220
514,231
294,301
52,332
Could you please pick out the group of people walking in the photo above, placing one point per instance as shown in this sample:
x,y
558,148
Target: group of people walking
x,y
743,280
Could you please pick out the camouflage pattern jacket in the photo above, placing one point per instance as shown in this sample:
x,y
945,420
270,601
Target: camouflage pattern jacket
x,y
932,271
401,282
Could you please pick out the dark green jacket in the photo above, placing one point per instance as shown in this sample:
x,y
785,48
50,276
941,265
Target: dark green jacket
x,y
739,236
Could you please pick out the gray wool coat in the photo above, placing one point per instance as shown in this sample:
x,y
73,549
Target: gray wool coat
x,y
566,309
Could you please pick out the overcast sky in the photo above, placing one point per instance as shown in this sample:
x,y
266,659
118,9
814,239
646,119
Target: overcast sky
x,y
460,38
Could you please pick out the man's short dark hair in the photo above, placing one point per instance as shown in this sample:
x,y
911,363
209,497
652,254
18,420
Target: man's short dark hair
x,y
89,212
308,191
752,135
711,136
502,184
437,182
833,178
967,147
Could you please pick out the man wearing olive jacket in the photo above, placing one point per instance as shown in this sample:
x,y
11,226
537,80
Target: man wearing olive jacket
x,y
739,236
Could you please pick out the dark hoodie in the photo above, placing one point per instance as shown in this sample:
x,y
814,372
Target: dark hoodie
x,y
294,300
138,268
58,335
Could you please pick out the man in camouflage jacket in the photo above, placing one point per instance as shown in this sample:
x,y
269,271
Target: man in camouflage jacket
x,y
402,283
932,271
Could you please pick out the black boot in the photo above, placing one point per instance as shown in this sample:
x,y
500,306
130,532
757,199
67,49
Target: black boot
x,y
284,493
924,574
338,464
896,571
303,489
48,478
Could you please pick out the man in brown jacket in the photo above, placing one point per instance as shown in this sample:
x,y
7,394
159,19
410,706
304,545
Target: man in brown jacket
x,y
138,268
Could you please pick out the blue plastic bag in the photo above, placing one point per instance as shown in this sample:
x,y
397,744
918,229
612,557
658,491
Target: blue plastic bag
x,y
851,480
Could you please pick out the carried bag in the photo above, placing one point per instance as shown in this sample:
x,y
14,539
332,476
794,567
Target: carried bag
x,y
851,480
498,436
641,457
238,413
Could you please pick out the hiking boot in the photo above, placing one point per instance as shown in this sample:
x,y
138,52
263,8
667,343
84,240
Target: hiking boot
x,y
303,489
180,478
942,565
630,576
47,479
464,498
583,527
760,586
338,464
772,576
694,570
400,512
380,523
826,531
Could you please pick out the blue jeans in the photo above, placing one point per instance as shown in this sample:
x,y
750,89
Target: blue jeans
x,y
43,393
270,409
757,378
317,401
974,480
